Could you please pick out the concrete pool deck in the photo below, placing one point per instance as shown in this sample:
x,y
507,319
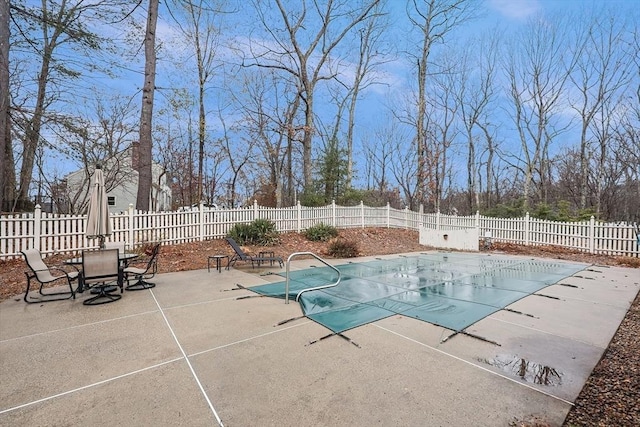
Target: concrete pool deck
x,y
190,352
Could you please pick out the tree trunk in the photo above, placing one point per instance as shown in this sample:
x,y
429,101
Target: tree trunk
x,y
202,125
420,131
146,115
489,171
6,168
307,139
32,132
471,176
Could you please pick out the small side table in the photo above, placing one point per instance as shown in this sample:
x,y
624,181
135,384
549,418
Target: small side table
x,y
267,254
218,259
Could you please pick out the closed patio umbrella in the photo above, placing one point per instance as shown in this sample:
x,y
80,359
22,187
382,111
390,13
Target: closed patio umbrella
x,y
98,224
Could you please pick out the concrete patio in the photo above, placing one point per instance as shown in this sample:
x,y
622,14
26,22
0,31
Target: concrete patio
x,y
193,352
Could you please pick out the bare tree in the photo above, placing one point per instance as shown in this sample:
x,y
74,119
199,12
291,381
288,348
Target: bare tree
x,y
304,47
175,135
63,29
443,129
433,20
628,136
201,30
475,92
237,157
146,112
269,106
405,171
371,54
488,130
101,134
538,67
379,154
601,71
6,168
607,172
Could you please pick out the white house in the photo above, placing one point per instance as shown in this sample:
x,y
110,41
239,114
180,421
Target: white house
x,y
121,182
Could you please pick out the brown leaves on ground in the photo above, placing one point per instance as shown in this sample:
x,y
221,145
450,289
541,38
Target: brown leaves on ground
x,y
611,395
559,252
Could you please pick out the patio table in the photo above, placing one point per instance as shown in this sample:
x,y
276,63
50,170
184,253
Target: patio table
x,y
218,259
123,258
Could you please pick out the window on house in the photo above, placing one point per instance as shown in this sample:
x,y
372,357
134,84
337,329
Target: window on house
x,y
111,200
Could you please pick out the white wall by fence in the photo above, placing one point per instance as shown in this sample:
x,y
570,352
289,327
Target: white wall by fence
x,y
55,233
466,239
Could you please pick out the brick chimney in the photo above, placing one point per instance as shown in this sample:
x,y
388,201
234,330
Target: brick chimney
x,y
135,155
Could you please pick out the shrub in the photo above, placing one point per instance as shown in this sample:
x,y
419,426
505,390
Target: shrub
x,y
321,233
312,198
241,233
261,232
340,248
264,232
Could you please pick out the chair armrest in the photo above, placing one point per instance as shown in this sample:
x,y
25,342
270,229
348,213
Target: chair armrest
x,y
70,274
144,260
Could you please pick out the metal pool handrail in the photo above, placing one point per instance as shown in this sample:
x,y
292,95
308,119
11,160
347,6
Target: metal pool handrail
x,y
295,254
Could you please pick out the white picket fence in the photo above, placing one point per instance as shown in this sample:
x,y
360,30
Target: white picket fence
x,y
54,233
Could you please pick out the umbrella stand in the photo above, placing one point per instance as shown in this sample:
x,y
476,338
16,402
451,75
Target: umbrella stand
x,y
98,224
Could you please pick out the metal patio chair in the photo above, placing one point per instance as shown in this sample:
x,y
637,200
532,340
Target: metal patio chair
x,y
121,246
240,255
142,273
100,271
44,274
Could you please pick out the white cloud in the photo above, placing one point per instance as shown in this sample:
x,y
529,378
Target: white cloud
x,y
515,9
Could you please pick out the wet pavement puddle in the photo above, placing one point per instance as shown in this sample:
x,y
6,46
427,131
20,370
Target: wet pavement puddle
x,y
526,370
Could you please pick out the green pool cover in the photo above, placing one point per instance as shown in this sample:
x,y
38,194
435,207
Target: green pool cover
x,y
451,290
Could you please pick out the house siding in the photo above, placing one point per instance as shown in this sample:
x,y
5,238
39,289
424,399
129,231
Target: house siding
x,y
125,190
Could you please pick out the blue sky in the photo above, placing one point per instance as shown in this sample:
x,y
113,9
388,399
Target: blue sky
x,y
508,16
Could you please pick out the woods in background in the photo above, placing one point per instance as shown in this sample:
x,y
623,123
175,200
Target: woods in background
x,y
415,103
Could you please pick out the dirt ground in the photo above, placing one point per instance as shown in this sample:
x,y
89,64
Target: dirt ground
x,y
609,398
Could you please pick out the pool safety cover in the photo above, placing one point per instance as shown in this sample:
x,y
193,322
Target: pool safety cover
x,y
452,290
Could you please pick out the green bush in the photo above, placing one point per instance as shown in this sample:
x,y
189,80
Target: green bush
x,y
241,233
514,209
343,249
260,232
312,199
321,233
264,232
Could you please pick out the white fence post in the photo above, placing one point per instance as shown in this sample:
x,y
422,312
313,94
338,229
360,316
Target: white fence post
x,y
255,209
131,238
333,213
438,220
37,227
299,216
388,215
592,234
406,217
478,222
362,212
201,221
527,228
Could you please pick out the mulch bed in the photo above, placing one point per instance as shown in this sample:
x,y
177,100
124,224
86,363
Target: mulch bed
x,y
611,395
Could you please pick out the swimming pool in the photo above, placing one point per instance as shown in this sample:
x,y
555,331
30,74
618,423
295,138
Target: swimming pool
x,y
452,290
